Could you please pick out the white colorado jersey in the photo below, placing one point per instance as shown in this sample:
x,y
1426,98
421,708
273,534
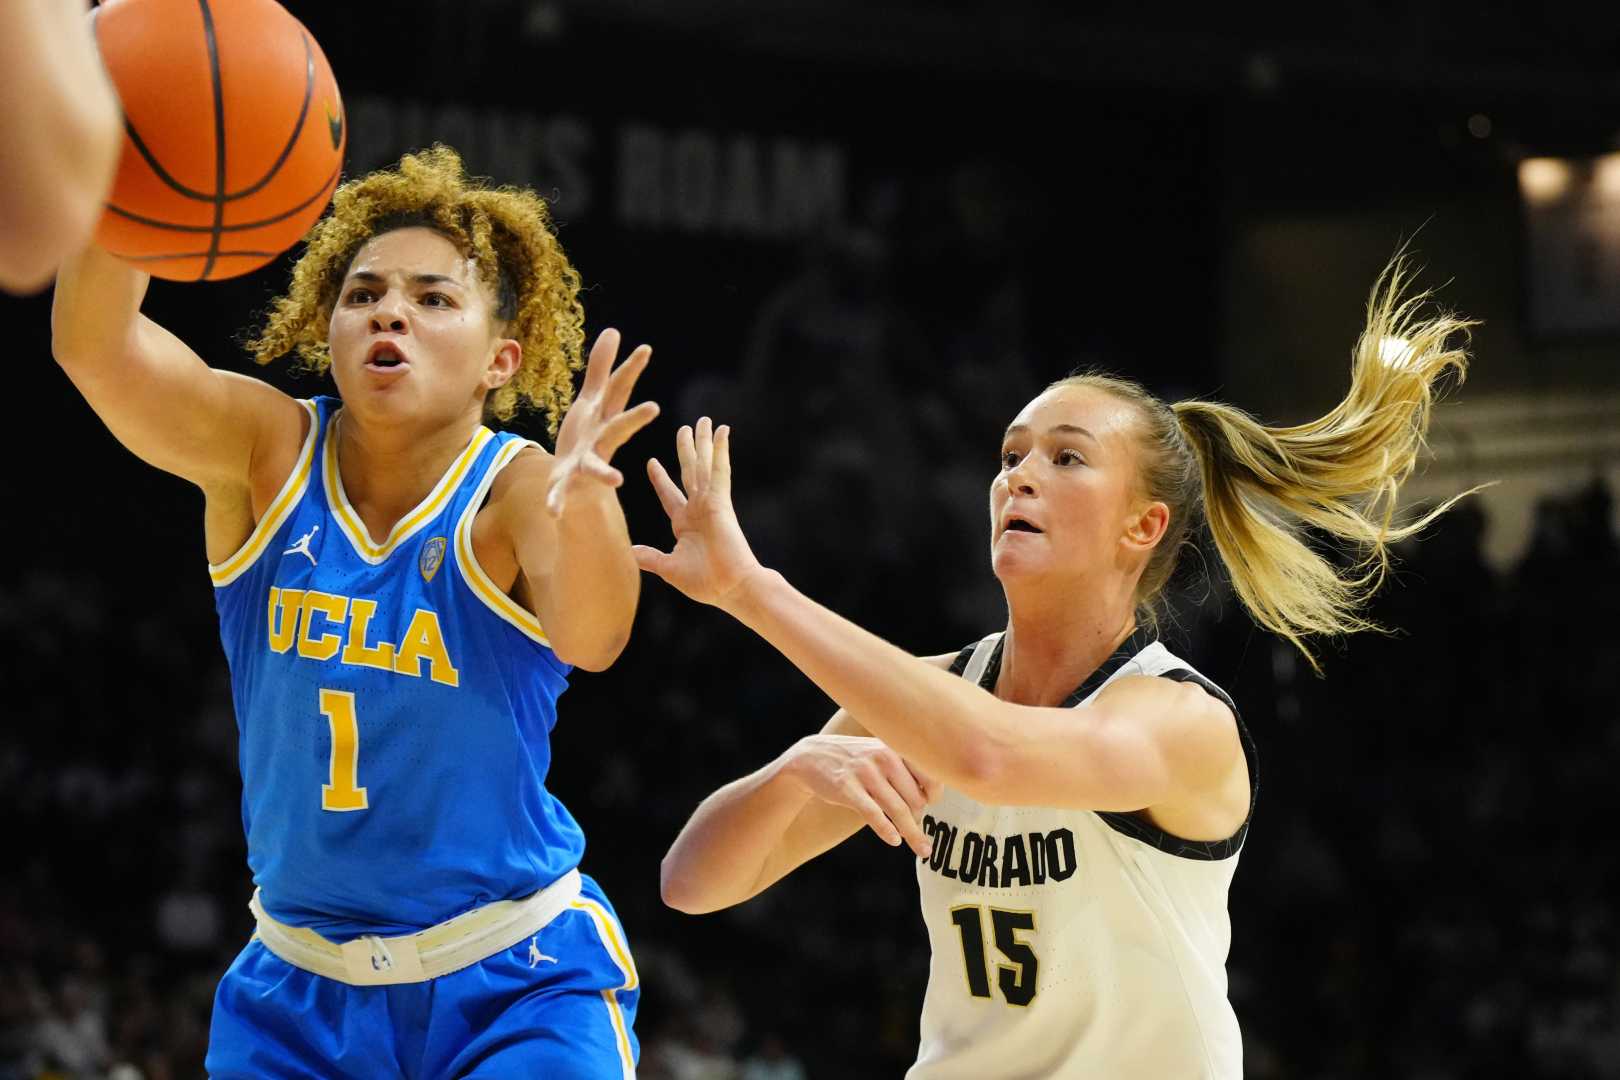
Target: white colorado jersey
x,y
1072,943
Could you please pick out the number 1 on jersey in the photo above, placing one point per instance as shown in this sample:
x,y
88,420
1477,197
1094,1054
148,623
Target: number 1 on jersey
x,y
342,790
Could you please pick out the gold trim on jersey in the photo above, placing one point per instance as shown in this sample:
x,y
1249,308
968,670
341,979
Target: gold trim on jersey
x,y
280,507
607,931
349,523
467,563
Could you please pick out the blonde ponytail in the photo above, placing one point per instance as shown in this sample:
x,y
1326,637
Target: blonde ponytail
x,y
1260,488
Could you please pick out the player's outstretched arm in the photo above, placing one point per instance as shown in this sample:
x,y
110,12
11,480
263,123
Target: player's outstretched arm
x,y
214,428
563,520
1143,742
61,134
756,830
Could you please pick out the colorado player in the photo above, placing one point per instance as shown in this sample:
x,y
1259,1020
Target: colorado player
x,y
1078,802
401,594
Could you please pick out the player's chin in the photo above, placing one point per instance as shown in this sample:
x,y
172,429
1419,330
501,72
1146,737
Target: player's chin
x,y
1013,561
396,397
361,377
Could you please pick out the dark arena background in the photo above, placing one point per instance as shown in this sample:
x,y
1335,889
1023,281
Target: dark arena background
x,y
865,235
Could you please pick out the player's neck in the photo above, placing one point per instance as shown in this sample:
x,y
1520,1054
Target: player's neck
x,y
388,471
1053,643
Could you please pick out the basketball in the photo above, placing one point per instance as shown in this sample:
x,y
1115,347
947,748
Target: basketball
x,y
234,134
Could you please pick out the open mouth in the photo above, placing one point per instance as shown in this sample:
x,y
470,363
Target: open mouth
x,y
1020,525
386,358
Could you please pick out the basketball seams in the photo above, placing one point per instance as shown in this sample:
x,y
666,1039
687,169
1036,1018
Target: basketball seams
x,y
325,193
157,168
219,137
174,226
253,189
223,254
298,129
140,144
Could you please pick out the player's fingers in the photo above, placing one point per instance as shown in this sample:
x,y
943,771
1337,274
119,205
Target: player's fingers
x,y
721,480
669,496
623,380
922,845
686,451
905,785
650,559
600,362
900,816
598,469
617,432
864,805
703,444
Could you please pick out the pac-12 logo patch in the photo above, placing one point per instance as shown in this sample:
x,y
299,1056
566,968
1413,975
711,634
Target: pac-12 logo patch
x,y
432,557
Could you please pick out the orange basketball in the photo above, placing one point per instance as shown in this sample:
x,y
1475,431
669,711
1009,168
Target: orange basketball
x,y
234,134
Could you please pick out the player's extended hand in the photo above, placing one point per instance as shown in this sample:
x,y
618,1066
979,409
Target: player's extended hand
x,y
597,423
711,556
865,775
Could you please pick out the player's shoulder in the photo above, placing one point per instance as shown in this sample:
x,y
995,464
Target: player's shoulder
x,y
1191,717
529,457
1154,673
1187,702
1155,660
523,478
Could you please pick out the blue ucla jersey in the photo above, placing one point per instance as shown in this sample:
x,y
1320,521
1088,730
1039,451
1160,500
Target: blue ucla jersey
x,y
394,707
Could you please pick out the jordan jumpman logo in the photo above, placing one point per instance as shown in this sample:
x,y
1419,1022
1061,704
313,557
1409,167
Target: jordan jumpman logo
x,y
302,547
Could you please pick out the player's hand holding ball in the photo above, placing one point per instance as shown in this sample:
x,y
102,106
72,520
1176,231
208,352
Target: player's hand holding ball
x,y
711,555
597,423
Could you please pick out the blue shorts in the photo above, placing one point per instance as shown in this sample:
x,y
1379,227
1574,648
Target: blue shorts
x,y
560,1005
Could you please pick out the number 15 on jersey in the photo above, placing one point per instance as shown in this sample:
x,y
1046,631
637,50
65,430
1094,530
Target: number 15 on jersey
x,y
1015,979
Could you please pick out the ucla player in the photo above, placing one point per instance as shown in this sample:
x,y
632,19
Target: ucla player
x,y
402,592
1078,798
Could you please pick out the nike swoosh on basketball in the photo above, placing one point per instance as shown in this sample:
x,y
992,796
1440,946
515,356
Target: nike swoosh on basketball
x,y
334,124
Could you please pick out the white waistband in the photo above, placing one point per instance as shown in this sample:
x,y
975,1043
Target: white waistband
x,y
456,943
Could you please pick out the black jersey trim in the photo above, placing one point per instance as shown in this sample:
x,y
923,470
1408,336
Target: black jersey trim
x,y
1128,649
1129,824
1123,655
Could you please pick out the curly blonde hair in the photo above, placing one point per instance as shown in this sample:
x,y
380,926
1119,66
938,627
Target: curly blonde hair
x,y
506,231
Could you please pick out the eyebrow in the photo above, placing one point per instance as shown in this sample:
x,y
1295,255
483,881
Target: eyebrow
x,y
416,279
1064,429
